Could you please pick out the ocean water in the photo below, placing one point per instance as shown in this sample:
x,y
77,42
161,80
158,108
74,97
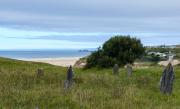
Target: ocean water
x,y
32,54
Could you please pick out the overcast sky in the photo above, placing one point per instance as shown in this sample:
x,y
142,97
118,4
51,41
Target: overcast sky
x,y
29,24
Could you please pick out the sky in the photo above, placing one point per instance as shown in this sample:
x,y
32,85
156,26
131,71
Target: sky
x,y
75,24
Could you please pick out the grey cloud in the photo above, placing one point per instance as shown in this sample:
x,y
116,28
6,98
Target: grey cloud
x,y
92,15
102,8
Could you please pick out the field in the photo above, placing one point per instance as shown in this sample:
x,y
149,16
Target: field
x,y
93,89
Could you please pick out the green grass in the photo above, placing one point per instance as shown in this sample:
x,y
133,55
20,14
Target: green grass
x,y
93,88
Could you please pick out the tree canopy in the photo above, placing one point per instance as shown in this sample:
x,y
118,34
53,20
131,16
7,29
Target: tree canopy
x,y
117,50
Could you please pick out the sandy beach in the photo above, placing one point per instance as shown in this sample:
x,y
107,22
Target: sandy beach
x,y
165,63
63,61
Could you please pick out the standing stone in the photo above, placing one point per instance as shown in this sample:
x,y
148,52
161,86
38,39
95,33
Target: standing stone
x,y
129,69
69,80
70,73
40,72
116,69
167,78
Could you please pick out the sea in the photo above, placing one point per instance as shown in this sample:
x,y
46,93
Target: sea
x,y
33,54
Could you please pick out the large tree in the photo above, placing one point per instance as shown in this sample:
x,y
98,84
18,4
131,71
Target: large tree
x,y
118,49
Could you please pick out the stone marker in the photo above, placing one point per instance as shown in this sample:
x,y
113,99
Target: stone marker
x,y
167,78
40,72
129,69
69,81
116,69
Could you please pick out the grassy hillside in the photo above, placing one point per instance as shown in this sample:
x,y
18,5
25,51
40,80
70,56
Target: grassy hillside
x,y
94,89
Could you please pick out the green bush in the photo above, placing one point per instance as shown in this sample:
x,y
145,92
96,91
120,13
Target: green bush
x,y
118,49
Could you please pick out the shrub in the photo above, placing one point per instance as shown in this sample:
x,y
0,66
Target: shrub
x,y
118,49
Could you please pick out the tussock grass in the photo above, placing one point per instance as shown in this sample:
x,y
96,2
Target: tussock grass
x,y
93,89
